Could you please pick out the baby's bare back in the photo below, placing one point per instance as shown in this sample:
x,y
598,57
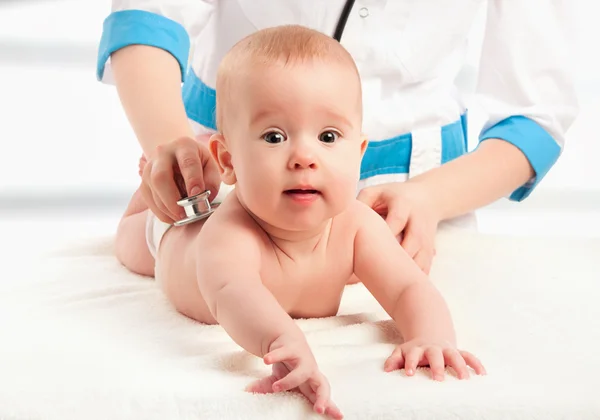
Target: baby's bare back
x,y
306,283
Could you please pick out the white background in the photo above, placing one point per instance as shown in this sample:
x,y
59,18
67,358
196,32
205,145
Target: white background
x,y
64,136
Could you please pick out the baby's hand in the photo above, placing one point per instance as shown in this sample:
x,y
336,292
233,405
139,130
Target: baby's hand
x,y
435,355
295,368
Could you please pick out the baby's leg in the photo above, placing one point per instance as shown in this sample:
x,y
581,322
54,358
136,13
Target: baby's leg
x,y
353,280
130,244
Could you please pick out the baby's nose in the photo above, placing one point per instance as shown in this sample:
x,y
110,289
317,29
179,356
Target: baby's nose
x,y
303,157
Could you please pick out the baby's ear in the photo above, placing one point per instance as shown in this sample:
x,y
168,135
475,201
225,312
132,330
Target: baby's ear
x,y
218,149
364,142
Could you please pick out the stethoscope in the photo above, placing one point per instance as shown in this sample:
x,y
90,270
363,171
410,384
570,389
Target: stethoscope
x,y
198,207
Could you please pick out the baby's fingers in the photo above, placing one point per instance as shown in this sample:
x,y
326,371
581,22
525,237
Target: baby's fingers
x,y
454,359
411,360
323,403
322,393
262,386
292,380
333,411
436,362
279,355
395,361
473,362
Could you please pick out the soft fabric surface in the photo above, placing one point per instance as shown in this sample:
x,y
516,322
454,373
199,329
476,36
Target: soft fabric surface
x,y
81,338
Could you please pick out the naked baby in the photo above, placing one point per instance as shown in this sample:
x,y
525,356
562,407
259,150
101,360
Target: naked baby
x,y
287,239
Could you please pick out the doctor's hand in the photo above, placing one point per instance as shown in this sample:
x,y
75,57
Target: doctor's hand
x,y
410,214
183,167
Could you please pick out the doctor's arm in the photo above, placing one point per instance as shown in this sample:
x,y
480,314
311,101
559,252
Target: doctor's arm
x,y
144,51
526,87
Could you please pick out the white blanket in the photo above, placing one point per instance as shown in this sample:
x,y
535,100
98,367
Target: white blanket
x,y
81,338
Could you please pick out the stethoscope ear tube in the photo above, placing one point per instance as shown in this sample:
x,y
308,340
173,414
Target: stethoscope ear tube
x,y
339,30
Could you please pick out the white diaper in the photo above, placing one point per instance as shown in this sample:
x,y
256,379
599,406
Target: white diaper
x,y
155,230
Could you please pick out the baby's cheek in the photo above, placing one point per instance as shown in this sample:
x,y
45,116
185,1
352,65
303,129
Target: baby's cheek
x,y
345,187
256,187
351,177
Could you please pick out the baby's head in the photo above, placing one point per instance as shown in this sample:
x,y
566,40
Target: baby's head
x,y
289,118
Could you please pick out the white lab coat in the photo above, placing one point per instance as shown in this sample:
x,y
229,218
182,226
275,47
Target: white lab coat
x,y
408,54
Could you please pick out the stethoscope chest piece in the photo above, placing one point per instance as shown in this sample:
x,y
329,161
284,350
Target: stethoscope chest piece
x,y
197,207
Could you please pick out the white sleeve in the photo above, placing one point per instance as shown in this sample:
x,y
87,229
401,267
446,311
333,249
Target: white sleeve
x,y
165,24
525,81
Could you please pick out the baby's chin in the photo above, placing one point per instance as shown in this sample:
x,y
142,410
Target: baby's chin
x,y
279,220
299,226
291,226
294,223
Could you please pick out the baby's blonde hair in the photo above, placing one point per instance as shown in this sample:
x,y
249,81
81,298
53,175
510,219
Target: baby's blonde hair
x,y
283,45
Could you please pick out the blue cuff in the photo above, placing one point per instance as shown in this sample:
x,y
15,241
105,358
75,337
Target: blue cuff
x,y
200,101
539,147
392,156
128,27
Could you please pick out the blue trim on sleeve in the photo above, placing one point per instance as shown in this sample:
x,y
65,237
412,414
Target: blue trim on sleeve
x,y
539,147
464,121
200,101
128,27
392,156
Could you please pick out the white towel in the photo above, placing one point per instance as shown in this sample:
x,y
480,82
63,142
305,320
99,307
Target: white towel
x,y
82,338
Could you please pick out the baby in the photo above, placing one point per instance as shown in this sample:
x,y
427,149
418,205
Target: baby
x,y
284,243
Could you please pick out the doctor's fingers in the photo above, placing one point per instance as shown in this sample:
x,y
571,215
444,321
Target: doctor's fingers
x,y
376,197
397,217
369,196
162,182
424,259
150,201
413,240
419,247
151,196
191,166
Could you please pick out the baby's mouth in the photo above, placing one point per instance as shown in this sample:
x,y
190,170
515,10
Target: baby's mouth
x,y
301,192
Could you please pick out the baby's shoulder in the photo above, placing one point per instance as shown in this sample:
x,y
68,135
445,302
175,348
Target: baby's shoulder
x,y
355,217
230,226
358,214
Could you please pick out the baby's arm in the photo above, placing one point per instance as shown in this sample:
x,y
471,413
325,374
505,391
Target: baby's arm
x,y
398,284
229,280
407,295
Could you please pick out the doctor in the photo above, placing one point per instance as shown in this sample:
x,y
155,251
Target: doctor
x,y
416,171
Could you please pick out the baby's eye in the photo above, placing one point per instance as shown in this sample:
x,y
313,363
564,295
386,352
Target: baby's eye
x,y
274,137
328,136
